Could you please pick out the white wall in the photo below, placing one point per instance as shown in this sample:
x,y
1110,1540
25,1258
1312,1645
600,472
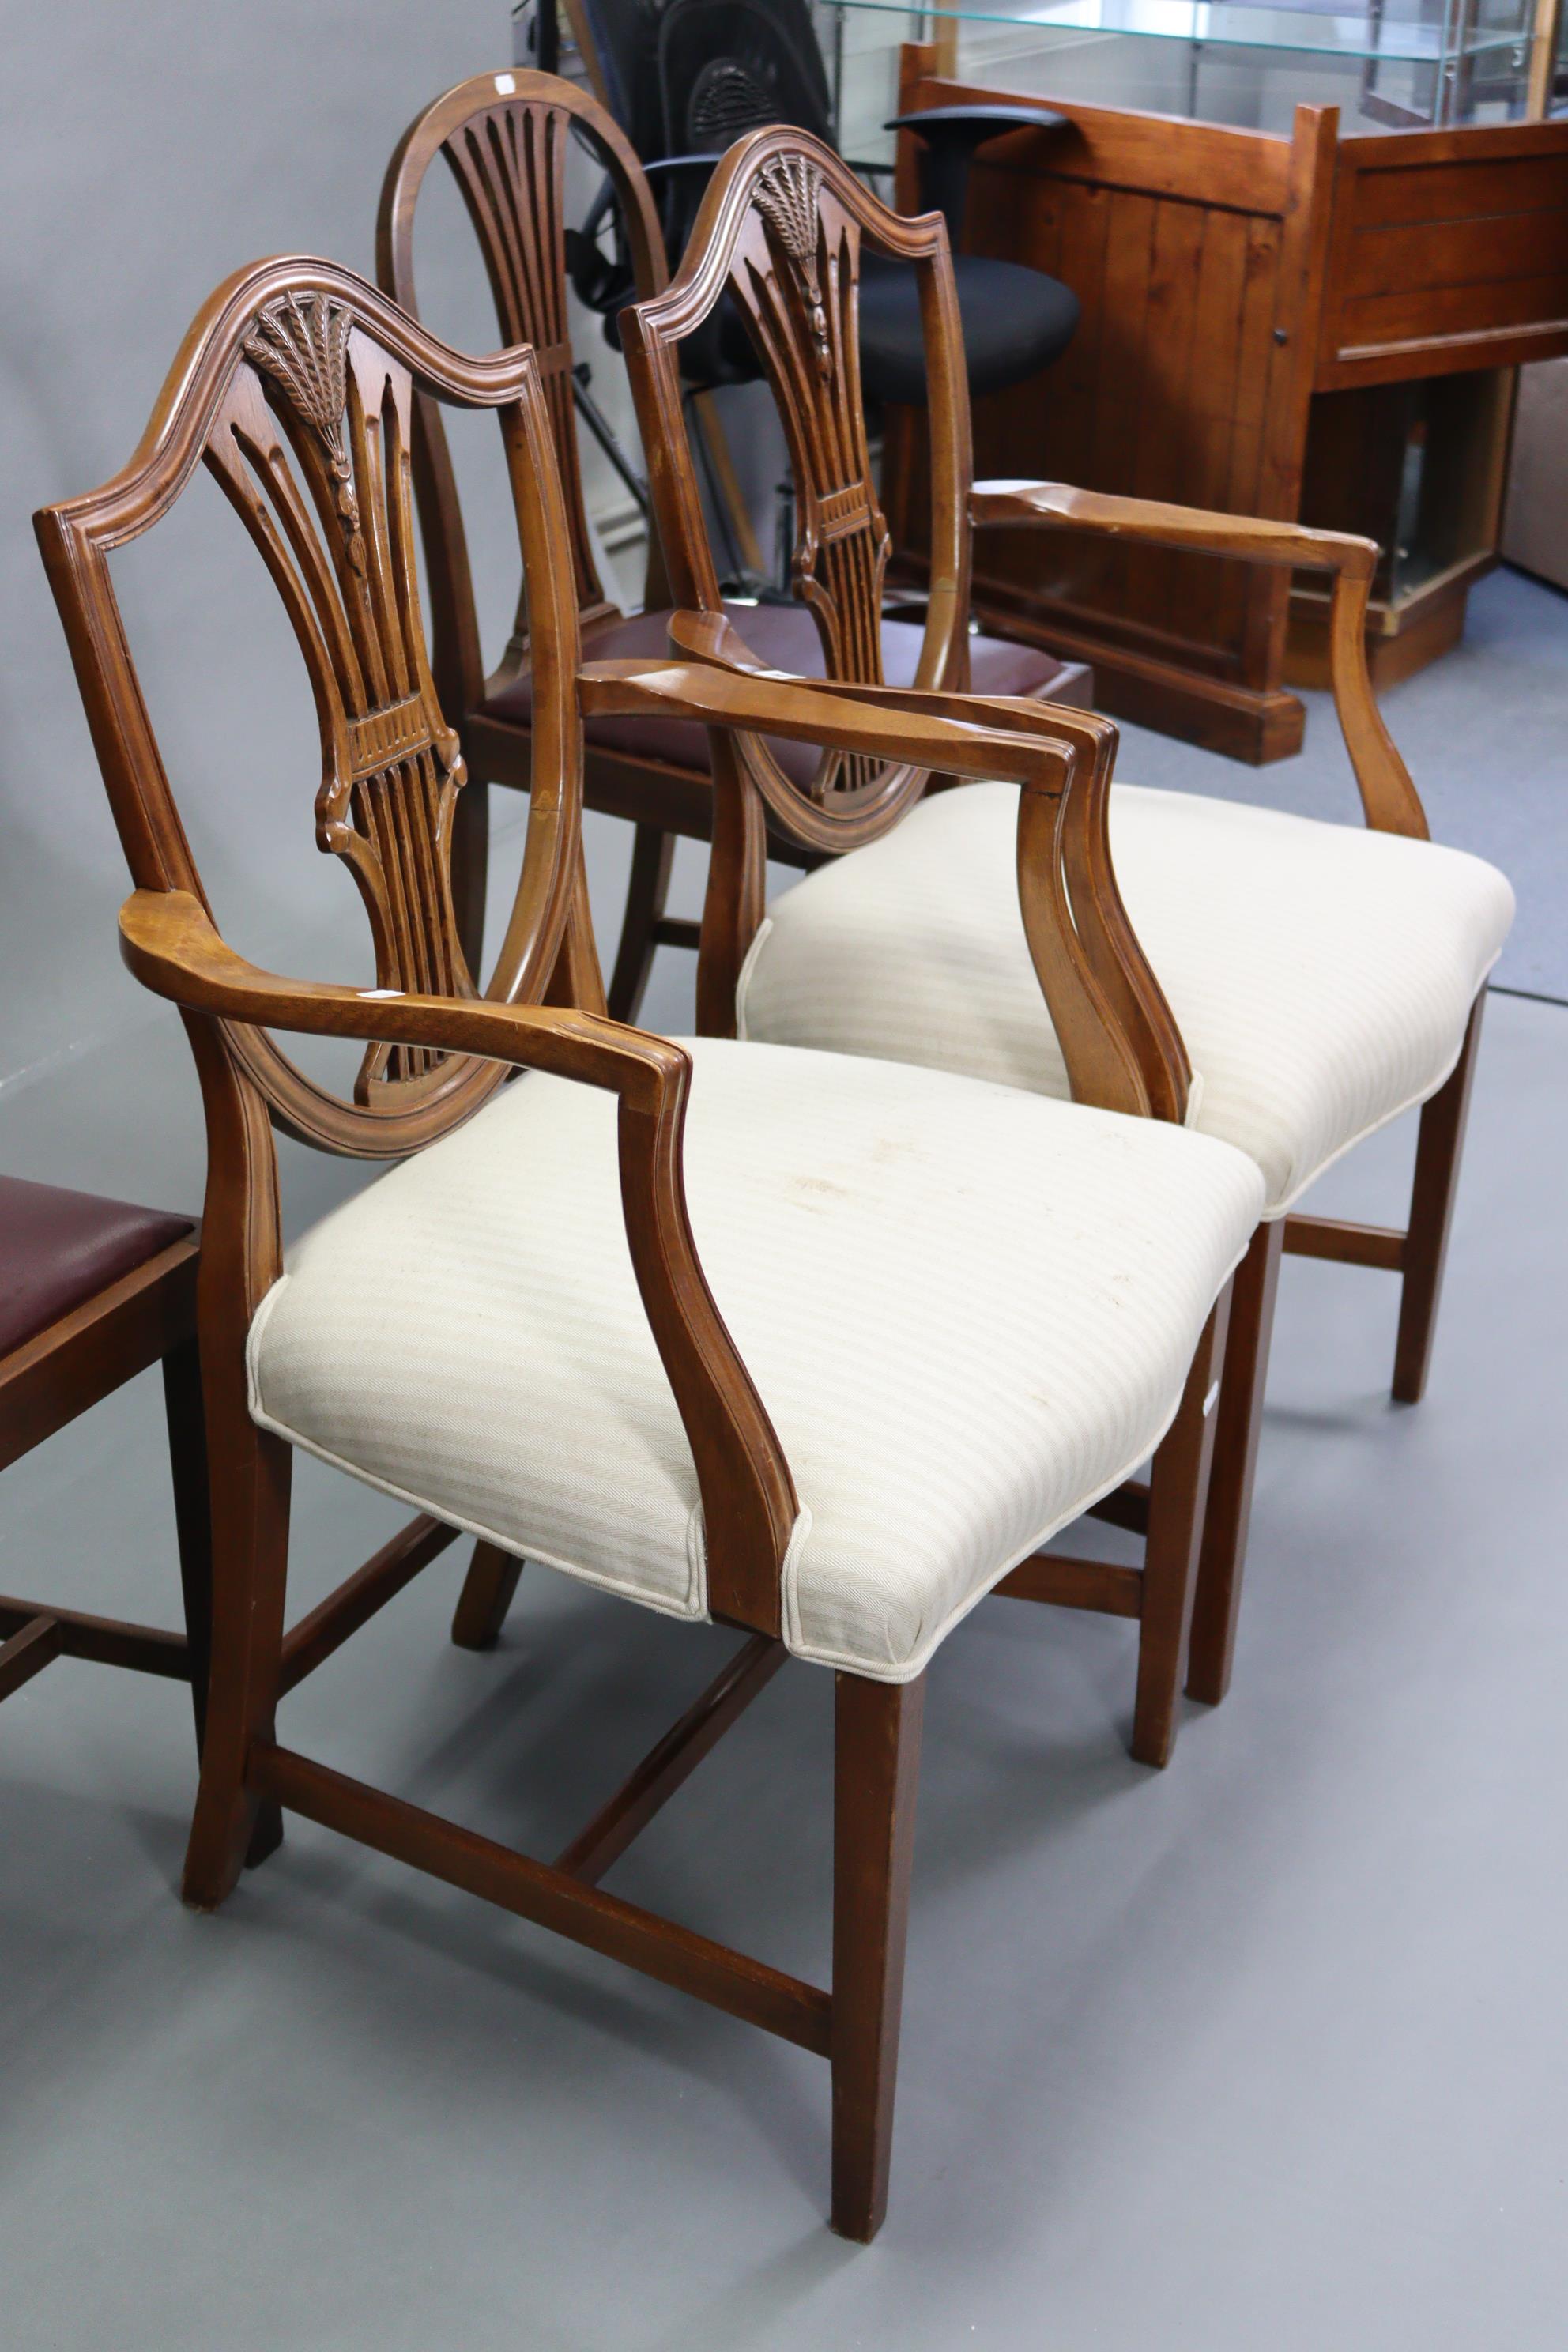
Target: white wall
x,y
147,151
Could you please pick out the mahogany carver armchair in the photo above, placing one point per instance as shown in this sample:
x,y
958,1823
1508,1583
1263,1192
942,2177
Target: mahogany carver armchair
x,y
1322,978
505,138
721,1329
91,1292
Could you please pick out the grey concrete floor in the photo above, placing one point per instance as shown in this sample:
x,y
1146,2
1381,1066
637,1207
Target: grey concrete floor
x,y
1264,2052
1482,733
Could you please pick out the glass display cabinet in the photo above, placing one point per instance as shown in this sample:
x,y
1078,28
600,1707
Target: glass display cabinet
x,y
1283,315
1391,64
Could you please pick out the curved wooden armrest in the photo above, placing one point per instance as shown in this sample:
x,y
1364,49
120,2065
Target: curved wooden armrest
x,y
748,1498
1060,506
1388,797
1119,1038
802,711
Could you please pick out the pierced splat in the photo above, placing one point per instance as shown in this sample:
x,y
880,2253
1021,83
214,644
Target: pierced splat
x,y
312,446
510,162
802,311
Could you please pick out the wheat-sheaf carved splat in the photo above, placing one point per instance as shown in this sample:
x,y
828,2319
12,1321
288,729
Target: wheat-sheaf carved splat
x,y
313,450
509,162
803,318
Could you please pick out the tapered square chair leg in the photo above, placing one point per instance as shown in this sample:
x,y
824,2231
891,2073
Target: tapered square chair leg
x,y
250,1559
653,854
1238,1420
471,872
487,1595
1178,1496
193,1511
876,1772
1439,1147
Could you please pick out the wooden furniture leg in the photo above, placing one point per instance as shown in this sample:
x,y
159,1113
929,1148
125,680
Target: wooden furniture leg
x,y
1438,1147
471,872
1238,1419
250,1564
485,1597
653,854
1178,1492
876,1773
193,1520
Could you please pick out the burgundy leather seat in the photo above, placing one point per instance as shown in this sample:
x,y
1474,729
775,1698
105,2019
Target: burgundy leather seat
x,y
785,636
59,1248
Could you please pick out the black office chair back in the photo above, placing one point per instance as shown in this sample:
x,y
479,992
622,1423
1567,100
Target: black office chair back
x,y
690,77
686,77
726,67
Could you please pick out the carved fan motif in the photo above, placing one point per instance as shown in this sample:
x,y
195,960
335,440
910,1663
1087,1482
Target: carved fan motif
x,y
788,192
301,342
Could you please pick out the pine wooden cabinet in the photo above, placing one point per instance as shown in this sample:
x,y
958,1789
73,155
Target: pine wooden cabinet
x,y
1318,328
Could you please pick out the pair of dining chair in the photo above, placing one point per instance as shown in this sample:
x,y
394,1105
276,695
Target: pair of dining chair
x,y
824,1346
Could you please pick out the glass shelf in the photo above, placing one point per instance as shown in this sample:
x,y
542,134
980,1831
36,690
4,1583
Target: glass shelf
x,y
1407,32
1395,64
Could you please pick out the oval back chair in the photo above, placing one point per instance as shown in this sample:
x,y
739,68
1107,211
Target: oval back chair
x,y
782,231
296,388
505,137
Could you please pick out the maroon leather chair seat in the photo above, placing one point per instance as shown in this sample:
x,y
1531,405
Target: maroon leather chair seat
x,y
785,636
58,1249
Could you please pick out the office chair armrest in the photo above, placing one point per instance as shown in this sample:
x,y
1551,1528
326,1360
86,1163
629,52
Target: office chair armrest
x,y
952,134
684,162
605,286
977,124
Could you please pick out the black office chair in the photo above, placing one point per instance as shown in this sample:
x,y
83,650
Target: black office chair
x,y
685,78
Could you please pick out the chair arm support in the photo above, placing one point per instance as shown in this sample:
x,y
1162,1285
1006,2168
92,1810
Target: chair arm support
x,y
1388,797
169,942
749,1502
1060,506
771,702
1120,1040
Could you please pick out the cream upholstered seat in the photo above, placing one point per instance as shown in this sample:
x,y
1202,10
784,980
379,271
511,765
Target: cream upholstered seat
x,y
1321,975
969,1312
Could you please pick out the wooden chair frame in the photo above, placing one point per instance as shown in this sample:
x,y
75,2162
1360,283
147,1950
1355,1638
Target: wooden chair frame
x,y
781,225
504,137
296,388
146,1317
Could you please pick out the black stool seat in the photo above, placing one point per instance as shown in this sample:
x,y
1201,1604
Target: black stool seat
x,y
1015,322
